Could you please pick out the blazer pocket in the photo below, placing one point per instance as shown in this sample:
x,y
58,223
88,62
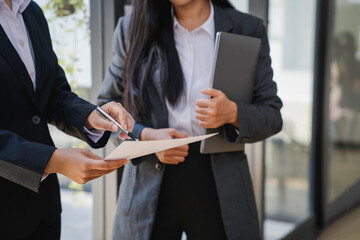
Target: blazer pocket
x,y
248,186
126,190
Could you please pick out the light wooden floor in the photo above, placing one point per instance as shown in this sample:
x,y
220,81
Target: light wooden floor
x,y
346,228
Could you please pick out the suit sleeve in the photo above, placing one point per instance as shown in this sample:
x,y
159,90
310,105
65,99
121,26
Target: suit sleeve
x,y
66,110
262,118
15,152
112,87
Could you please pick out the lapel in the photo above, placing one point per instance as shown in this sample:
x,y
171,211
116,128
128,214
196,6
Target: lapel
x,y
222,22
12,57
34,36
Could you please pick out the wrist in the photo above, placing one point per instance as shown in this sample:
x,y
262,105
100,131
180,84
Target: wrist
x,y
87,122
146,134
50,167
235,114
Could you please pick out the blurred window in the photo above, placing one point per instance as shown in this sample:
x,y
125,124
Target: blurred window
x,y
291,33
343,100
241,5
70,31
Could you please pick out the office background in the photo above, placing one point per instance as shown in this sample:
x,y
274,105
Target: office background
x,y
307,177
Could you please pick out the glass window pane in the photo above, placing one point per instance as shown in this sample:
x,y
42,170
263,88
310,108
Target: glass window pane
x,y
241,5
343,99
292,38
70,31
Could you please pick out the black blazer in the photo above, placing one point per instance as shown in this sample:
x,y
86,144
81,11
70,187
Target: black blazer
x,y
25,142
141,183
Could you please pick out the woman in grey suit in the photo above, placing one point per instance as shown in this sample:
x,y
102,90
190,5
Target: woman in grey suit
x,y
161,71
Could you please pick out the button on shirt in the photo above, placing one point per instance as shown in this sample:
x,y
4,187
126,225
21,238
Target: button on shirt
x,y
196,53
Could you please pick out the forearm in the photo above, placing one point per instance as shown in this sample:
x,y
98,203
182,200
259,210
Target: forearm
x,y
233,117
23,161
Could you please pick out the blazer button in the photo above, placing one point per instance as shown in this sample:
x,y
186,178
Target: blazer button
x,y
36,120
158,166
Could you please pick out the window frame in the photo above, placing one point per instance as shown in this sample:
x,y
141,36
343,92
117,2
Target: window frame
x,y
324,213
103,19
350,198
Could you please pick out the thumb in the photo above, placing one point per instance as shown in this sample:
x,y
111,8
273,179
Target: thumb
x,y
177,134
92,155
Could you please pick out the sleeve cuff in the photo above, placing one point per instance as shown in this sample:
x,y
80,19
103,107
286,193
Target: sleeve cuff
x,y
44,176
94,134
138,127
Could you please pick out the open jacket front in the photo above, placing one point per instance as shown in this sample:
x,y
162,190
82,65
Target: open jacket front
x,y
141,180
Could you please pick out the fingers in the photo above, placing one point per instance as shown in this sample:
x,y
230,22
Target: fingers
x,y
211,92
81,165
173,160
174,156
176,134
88,154
202,117
96,168
184,148
92,161
205,124
208,124
181,151
117,111
94,175
203,103
98,173
97,122
176,152
103,124
206,116
123,136
105,165
203,111
89,179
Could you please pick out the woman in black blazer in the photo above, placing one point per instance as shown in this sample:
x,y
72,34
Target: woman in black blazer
x,y
30,198
161,71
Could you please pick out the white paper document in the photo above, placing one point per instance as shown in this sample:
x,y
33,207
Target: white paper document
x,y
132,149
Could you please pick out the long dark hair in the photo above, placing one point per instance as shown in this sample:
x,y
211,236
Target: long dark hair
x,y
151,43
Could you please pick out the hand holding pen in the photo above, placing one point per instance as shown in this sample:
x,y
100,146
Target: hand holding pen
x,y
112,117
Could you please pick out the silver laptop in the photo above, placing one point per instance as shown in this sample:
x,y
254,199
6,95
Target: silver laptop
x,y
233,73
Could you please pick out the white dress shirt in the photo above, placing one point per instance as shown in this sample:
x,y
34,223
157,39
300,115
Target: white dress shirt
x,y
13,24
196,53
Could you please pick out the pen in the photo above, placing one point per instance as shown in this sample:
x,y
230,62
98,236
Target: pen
x,y
106,116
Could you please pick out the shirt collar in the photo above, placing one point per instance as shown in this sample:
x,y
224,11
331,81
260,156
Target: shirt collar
x,y
23,5
208,25
18,5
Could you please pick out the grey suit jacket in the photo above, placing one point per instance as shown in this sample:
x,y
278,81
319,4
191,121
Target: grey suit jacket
x,y
141,181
